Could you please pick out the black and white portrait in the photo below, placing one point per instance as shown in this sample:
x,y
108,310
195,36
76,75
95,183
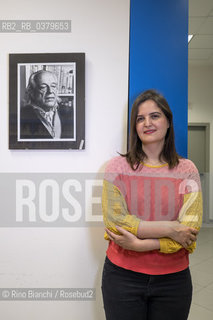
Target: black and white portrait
x,y
47,105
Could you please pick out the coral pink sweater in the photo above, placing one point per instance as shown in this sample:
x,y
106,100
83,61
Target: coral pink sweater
x,y
151,193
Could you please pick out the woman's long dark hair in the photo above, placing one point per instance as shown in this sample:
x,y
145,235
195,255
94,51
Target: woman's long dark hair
x,y
135,154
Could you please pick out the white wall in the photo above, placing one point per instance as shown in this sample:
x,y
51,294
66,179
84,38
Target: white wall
x,y
69,257
201,107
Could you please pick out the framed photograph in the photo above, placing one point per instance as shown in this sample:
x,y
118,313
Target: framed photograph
x,y
47,101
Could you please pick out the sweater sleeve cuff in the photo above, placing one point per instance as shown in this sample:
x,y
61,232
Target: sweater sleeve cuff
x,y
169,246
133,230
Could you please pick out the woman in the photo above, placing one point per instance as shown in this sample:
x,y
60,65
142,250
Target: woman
x,y
152,207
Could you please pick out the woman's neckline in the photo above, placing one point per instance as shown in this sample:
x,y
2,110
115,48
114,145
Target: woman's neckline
x,y
154,166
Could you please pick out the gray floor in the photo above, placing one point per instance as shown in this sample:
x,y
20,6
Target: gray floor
x,y
201,266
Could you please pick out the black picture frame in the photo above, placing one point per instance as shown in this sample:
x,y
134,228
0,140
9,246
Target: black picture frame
x,y
70,71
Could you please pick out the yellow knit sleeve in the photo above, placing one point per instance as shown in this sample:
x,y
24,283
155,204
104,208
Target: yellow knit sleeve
x,y
115,211
191,216
168,245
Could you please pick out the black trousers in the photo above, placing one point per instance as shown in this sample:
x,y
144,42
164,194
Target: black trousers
x,y
130,295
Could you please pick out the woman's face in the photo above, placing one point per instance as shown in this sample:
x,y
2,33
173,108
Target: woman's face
x,y
151,123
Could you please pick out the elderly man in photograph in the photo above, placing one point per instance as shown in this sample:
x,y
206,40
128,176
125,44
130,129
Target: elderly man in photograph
x,y
42,117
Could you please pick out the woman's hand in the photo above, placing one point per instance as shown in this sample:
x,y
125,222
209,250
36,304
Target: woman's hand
x,y
183,234
125,240
129,241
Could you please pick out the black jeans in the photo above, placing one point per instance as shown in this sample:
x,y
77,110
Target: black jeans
x,y
130,295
